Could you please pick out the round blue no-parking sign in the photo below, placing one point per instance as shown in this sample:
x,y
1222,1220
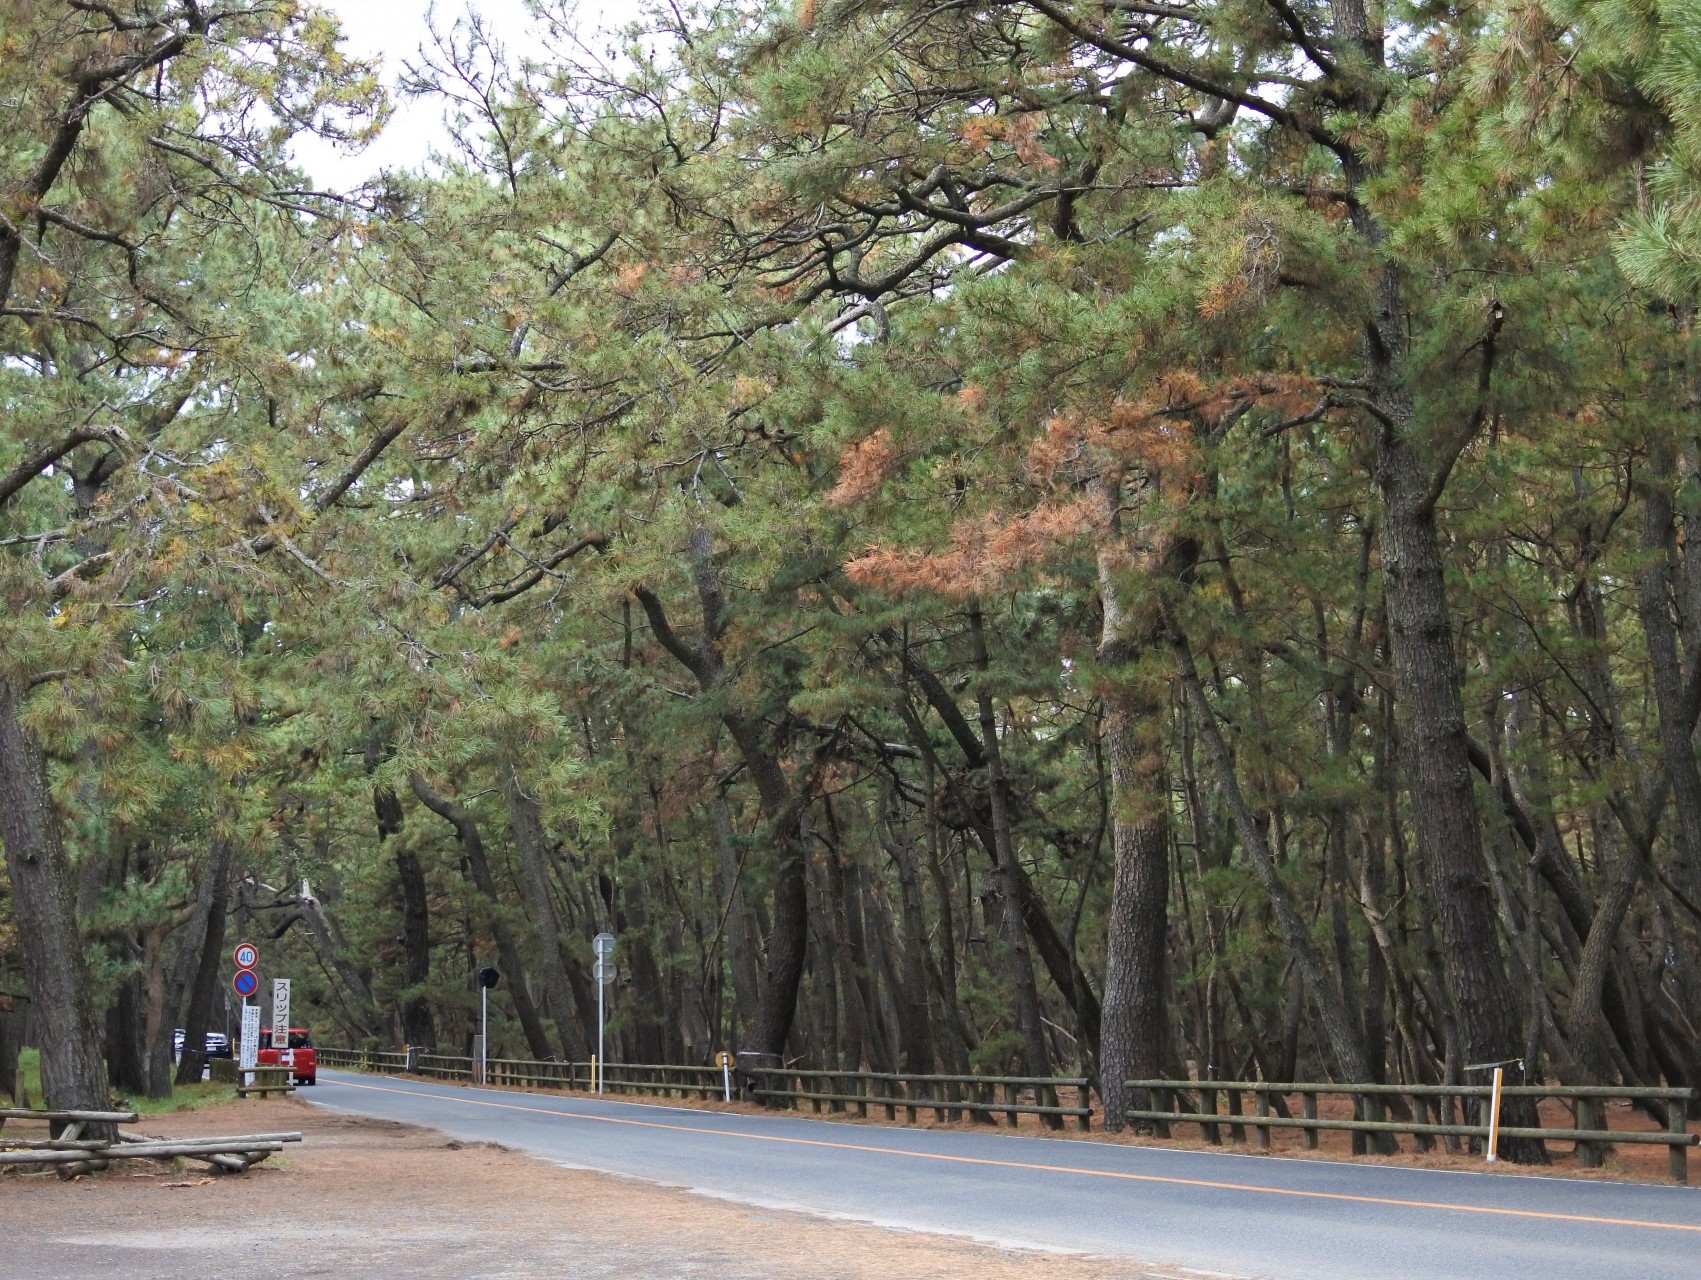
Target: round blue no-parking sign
x,y
245,983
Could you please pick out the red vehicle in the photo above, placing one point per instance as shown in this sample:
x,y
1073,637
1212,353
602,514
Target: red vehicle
x,y
304,1061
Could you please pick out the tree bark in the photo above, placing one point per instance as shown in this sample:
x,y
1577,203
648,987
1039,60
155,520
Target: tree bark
x,y
1134,1033
73,1076
1135,1030
418,1027
205,982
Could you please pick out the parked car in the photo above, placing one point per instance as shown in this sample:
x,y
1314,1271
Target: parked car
x,y
304,1061
217,1044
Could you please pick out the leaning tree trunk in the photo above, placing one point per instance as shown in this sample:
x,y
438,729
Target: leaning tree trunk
x,y
1655,607
1341,1031
418,1028
73,1077
1036,1059
206,978
527,825
507,950
779,802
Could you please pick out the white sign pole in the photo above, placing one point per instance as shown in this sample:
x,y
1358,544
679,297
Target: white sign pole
x,y
483,1035
280,1013
726,1077
602,947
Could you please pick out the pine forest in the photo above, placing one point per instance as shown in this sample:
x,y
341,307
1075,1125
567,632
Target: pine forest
x,y
1140,539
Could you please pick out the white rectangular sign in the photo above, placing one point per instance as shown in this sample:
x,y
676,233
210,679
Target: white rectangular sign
x,y
250,1037
280,1013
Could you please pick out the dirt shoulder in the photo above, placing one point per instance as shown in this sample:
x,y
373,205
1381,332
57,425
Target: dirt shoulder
x,y
362,1197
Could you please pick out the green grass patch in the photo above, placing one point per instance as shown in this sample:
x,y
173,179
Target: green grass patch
x,y
184,1097
29,1079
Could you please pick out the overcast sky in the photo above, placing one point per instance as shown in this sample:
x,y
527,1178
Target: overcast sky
x,y
394,30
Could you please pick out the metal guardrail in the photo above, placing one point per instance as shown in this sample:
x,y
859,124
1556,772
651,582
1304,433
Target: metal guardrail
x,y
948,1097
1590,1133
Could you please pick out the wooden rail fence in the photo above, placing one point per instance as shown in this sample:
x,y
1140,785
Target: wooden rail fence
x,y
1432,1111
948,1097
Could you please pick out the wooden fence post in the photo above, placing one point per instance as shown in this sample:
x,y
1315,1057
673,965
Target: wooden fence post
x,y
1237,1132
1677,1122
1422,1110
1590,1115
1262,1100
1309,1100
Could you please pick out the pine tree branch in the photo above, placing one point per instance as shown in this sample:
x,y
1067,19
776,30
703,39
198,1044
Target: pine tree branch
x,y
1457,446
691,657
36,463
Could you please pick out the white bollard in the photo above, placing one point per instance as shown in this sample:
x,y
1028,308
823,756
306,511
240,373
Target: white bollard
x,y
1494,1118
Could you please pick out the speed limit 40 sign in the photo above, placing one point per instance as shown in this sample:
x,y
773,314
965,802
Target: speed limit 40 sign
x,y
246,955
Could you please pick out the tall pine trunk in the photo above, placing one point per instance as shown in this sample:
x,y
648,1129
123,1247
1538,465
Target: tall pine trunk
x,y
205,983
1447,826
1135,1029
73,1076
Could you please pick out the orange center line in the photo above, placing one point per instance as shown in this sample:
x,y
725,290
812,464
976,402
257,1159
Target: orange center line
x,y
1046,1168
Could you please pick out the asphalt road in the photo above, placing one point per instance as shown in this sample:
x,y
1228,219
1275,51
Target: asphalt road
x,y
1239,1215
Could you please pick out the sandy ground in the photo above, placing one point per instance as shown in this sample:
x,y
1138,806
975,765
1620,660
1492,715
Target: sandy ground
x,y
363,1197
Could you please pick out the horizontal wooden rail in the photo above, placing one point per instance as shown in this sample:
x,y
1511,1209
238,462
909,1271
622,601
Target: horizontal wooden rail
x,y
1631,1093
1590,1134
948,1097
26,1113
